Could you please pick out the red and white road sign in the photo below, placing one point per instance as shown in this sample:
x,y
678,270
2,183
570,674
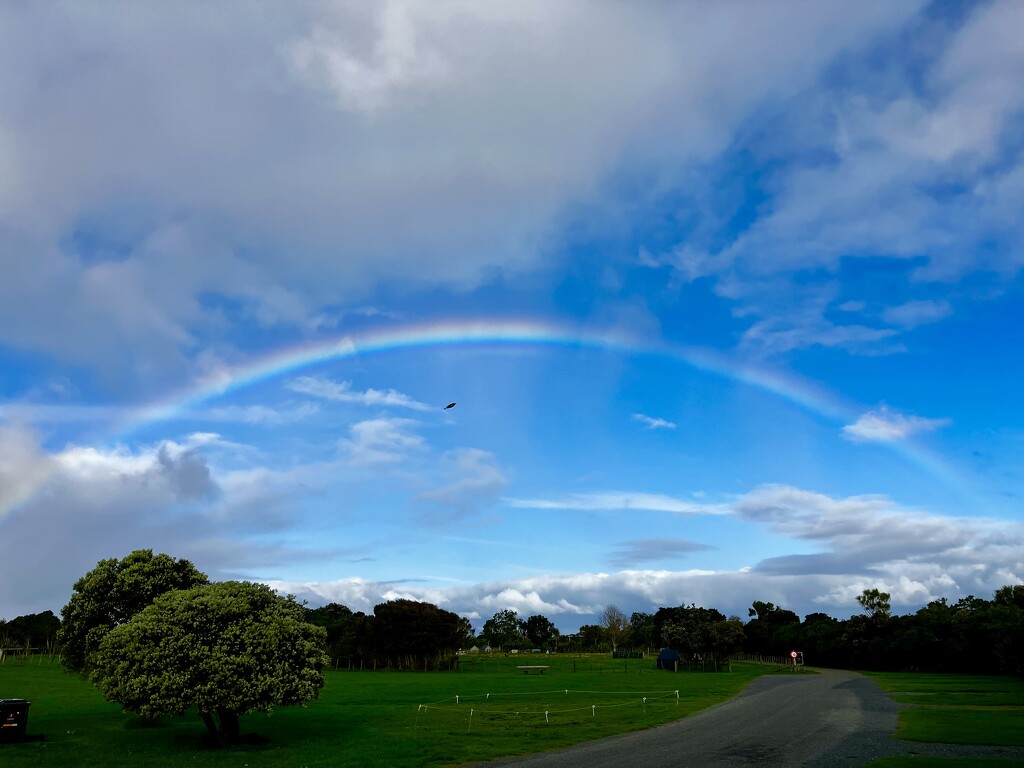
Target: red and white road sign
x,y
793,654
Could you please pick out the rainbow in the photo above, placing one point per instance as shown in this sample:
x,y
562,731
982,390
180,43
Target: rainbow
x,y
481,332
787,386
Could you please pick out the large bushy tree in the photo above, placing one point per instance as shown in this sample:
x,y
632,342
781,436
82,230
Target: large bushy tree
x,y
505,630
541,632
766,632
111,594
697,632
641,629
349,634
225,649
413,634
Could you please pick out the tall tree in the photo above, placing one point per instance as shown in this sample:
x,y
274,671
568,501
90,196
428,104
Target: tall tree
x,y
111,594
693,631
593,637
225,649
505,630
540,632
876,604
414,634
766,632
641,629
615,624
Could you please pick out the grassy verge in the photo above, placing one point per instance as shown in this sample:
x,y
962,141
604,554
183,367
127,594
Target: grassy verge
x,y
957,709
365,719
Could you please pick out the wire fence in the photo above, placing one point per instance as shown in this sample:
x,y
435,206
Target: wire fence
x,y
542,708
757,658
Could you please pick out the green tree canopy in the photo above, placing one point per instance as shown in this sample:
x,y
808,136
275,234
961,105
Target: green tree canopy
x,y
111,594
34,629
540,631
875,603
505,630
411,633
641,629
226,649
593,637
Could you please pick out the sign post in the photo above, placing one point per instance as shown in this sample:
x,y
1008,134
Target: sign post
x,y
793,655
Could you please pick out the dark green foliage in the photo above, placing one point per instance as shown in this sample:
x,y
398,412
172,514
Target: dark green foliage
x,y
349,635
593,637
875,604
972,635
641,630
111,594
541,632
226,649
36,630
699,633
505,630
766,633
1011,596
410,634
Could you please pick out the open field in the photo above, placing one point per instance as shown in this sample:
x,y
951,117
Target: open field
x,y
375,718
958,709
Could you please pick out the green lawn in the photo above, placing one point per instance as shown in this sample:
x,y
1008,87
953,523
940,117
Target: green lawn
x,y
365,719
957,709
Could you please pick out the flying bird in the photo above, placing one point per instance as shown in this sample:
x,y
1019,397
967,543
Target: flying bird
x,y
450,405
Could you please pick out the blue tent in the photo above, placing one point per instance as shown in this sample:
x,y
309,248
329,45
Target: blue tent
x,y
667,659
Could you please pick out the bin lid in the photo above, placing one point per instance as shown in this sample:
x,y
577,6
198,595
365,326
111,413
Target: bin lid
x,y
14,701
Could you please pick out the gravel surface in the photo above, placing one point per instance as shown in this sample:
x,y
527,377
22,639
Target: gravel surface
x,y
835,718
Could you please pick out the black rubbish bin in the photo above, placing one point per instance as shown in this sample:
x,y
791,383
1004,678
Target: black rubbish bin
x,y
13,719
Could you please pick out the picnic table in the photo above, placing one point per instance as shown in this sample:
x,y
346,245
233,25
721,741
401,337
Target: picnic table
x,y
528,668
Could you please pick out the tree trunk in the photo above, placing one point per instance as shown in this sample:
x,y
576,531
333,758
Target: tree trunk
x,y
211,726
228,724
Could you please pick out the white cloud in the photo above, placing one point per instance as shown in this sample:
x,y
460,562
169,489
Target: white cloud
x,y
888,165
90,503
620,500
473,482
653,422
150,199
341,391
915,313
105,502
263,415
885,425
868,542
382,441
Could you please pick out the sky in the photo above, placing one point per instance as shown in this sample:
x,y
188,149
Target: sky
x,y
728,296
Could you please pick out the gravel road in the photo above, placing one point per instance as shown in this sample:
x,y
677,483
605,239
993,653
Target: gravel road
x,y
835,718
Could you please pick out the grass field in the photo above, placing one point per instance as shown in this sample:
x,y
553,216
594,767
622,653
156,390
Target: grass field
x,y
364,719
958,709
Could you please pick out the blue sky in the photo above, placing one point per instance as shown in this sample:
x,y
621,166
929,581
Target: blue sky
x,y
729,296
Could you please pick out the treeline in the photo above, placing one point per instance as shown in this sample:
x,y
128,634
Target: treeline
x,y
399,634
970,635
37,631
